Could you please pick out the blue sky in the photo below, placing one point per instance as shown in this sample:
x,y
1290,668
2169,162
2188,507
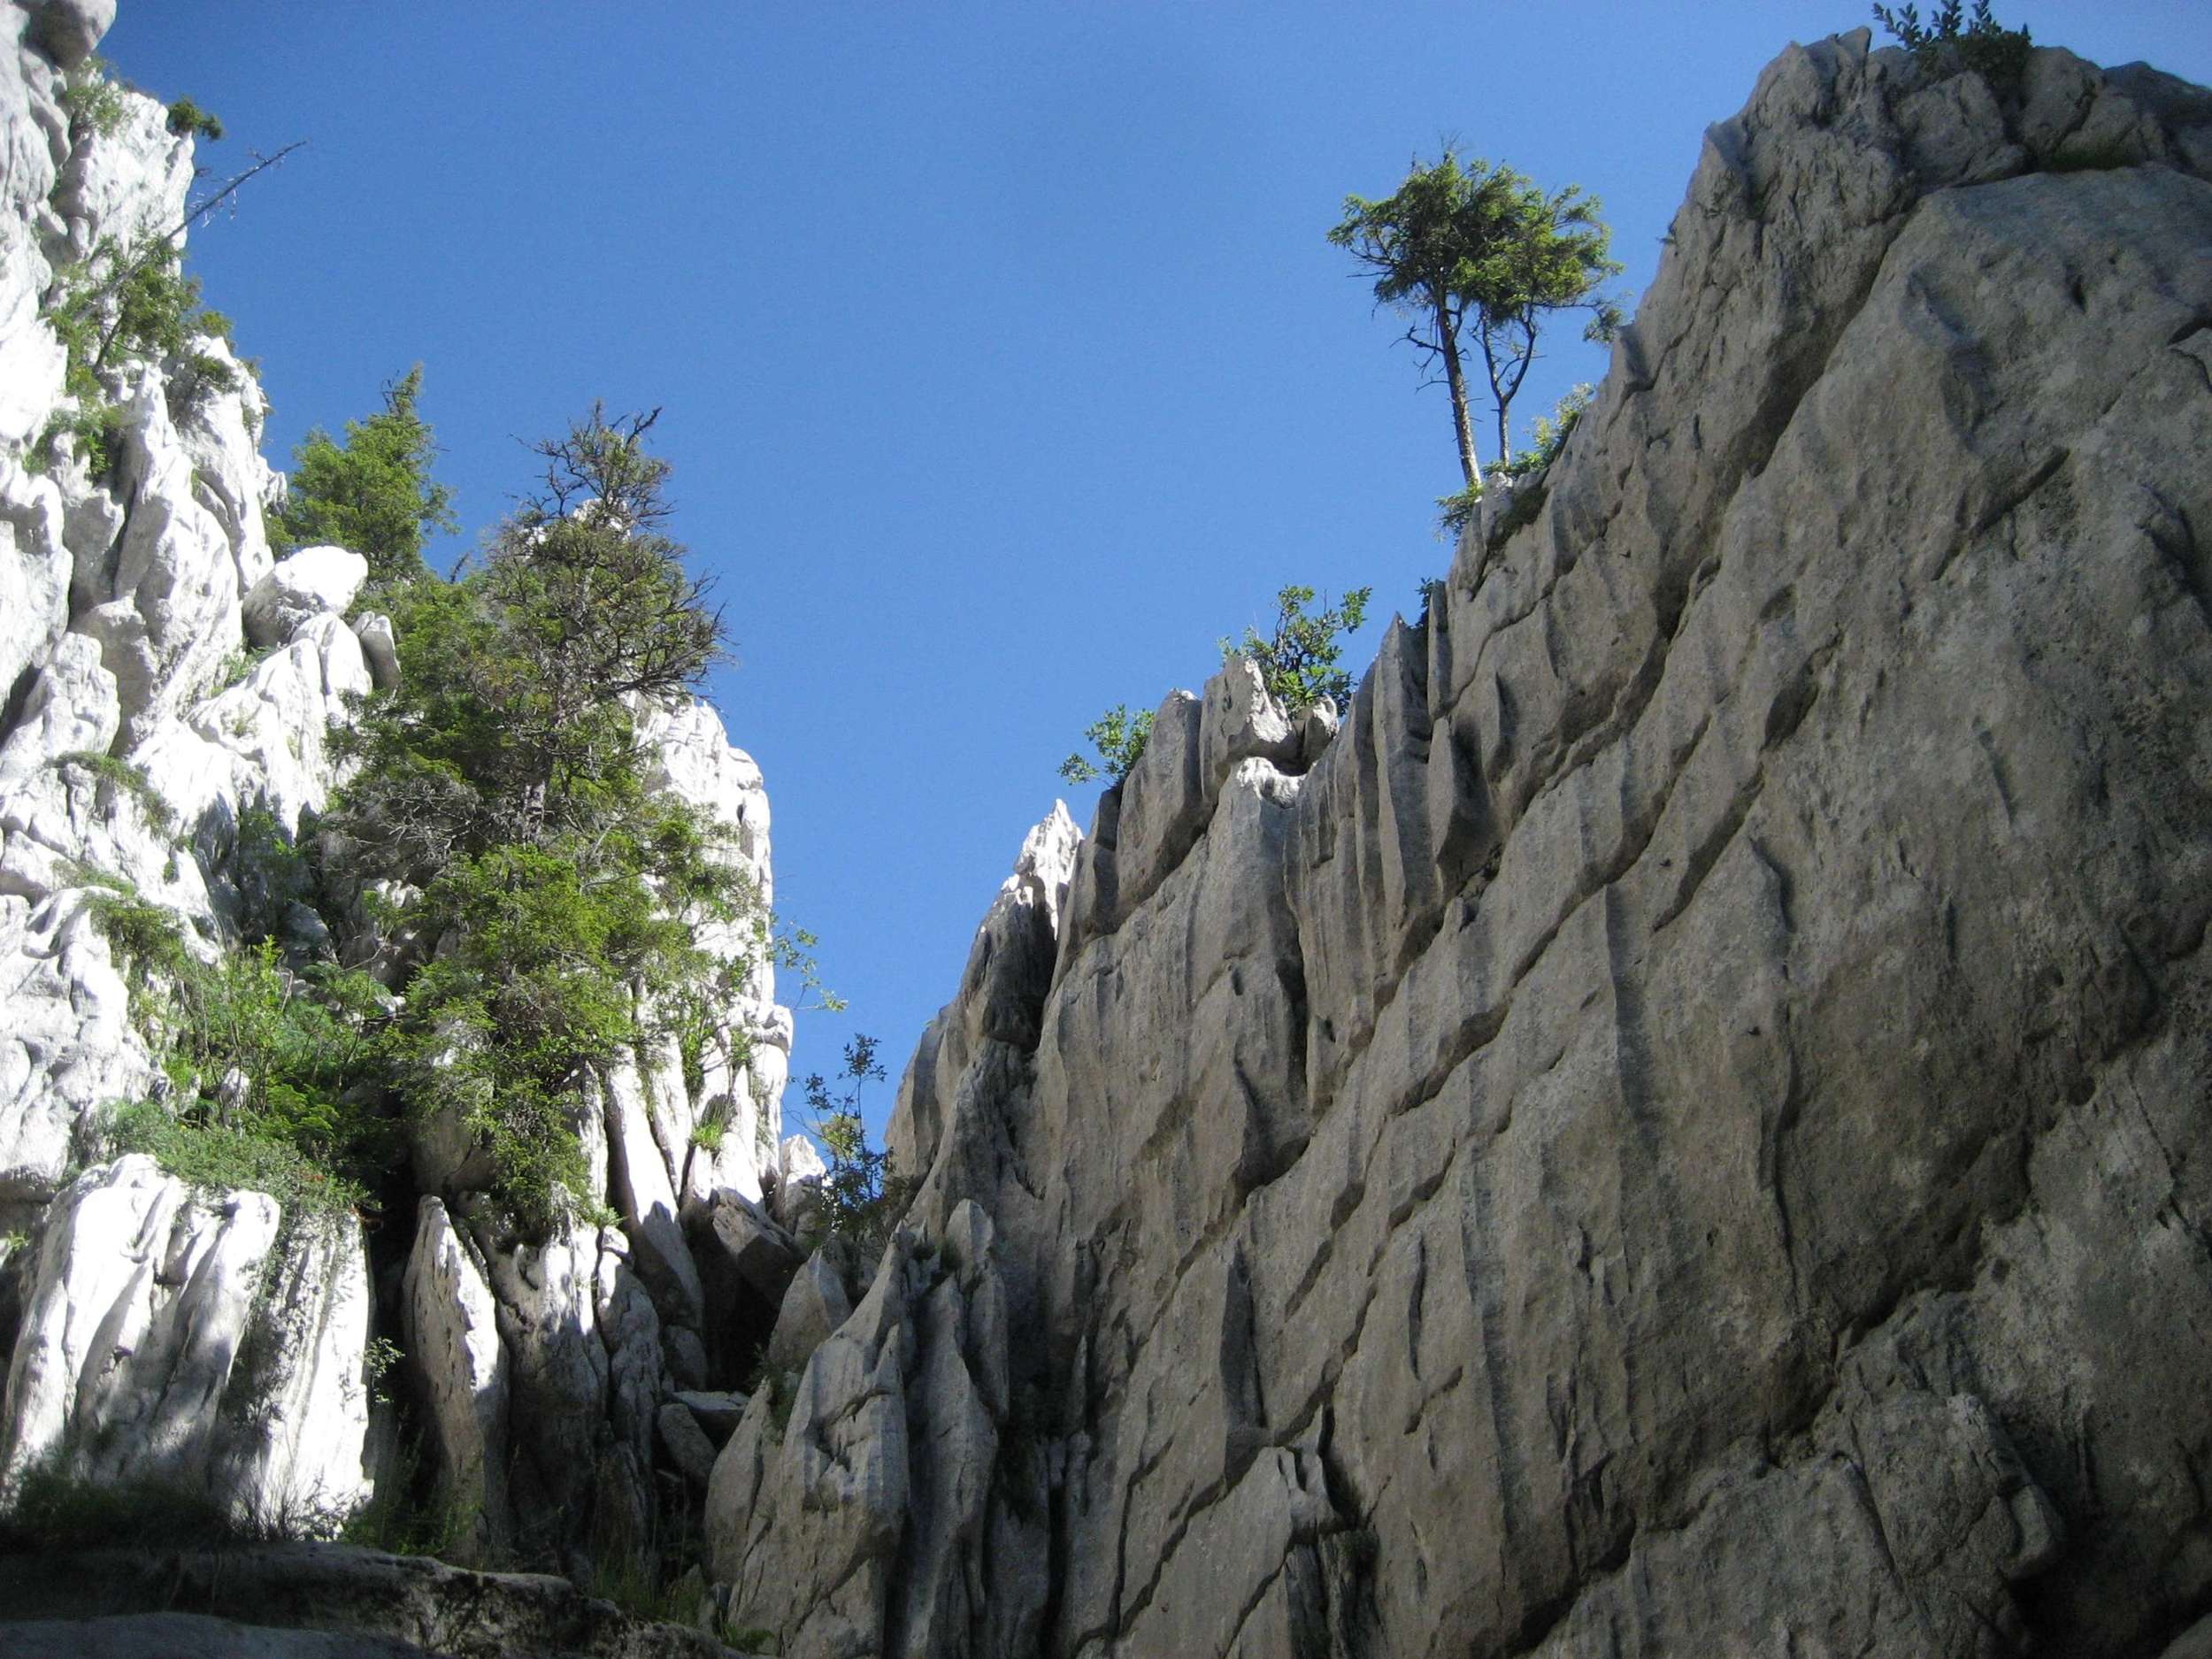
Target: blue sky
x,y
1005,365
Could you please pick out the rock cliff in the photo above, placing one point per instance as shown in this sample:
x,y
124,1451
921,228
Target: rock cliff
x,y
1675,1123
167,687
1683,1128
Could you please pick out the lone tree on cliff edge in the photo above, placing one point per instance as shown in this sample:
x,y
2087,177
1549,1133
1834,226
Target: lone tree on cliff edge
x,y
1463,241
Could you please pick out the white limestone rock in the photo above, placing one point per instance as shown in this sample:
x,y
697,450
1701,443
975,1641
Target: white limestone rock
x,y
761,1253
814,1305
453,1344
129,1363
313,582
68,1049
877,1509
639,1186
1680,1130
379,647
71,708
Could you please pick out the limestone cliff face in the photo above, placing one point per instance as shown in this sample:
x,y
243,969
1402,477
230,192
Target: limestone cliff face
x,y
1683,1129
203,1338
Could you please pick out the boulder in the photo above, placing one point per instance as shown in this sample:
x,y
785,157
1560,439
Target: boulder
x,y
67,30
305,585
763,1254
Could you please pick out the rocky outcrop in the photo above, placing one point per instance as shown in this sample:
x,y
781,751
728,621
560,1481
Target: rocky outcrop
x,y
168,689
860,1505
1683,1128
168,1338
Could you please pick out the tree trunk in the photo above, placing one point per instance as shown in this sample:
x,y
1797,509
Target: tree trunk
x,y
1462,423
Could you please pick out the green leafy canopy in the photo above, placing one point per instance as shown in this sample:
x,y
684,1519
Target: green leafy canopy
x,y
375,493
1298,660
1468,250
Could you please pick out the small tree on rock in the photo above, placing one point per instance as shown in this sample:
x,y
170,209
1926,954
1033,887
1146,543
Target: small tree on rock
x,y
1298,661
1463,243
375,494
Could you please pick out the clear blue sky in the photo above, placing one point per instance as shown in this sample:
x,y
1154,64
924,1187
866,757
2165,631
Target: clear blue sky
x,y
1005,365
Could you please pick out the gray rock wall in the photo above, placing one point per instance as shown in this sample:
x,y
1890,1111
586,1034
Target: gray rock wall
x,y
1683,1130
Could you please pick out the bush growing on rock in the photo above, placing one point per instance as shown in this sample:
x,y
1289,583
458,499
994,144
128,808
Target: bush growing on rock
x,y
375,493
863,1194
1298,660
1951,41
187,119
92,101
504,784
1119,737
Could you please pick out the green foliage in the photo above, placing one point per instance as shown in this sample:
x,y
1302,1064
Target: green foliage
x,y
145,937
121,303
93,102
1298,661
1119,737
52,1509
1952,41
95,428
863,1194
273,1071
1551,434
374,495
122,776
1463,244
216,1156
505,782
1455,511
187,119
401,1520
553,947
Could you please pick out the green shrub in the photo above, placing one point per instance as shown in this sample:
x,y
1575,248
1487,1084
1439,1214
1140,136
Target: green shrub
x,y
95,428
1298,661
307,1129
187,119
122,303
862,1195
1455,511
400,1519
122,776
219,1157
50,1509
374,495
147,938
1119,737
93,102
504,780
1951,42
1552,432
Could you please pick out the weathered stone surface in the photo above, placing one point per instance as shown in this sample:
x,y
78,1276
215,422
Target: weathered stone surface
x,y
190,1636
452,1339
813,1306
993,1023
687,1444
160,1343
380,647
298,587
1684,1129
67,30
718,1411
763,1253
868,1523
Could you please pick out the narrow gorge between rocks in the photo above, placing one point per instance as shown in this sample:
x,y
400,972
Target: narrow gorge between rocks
x,y
1676,1123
